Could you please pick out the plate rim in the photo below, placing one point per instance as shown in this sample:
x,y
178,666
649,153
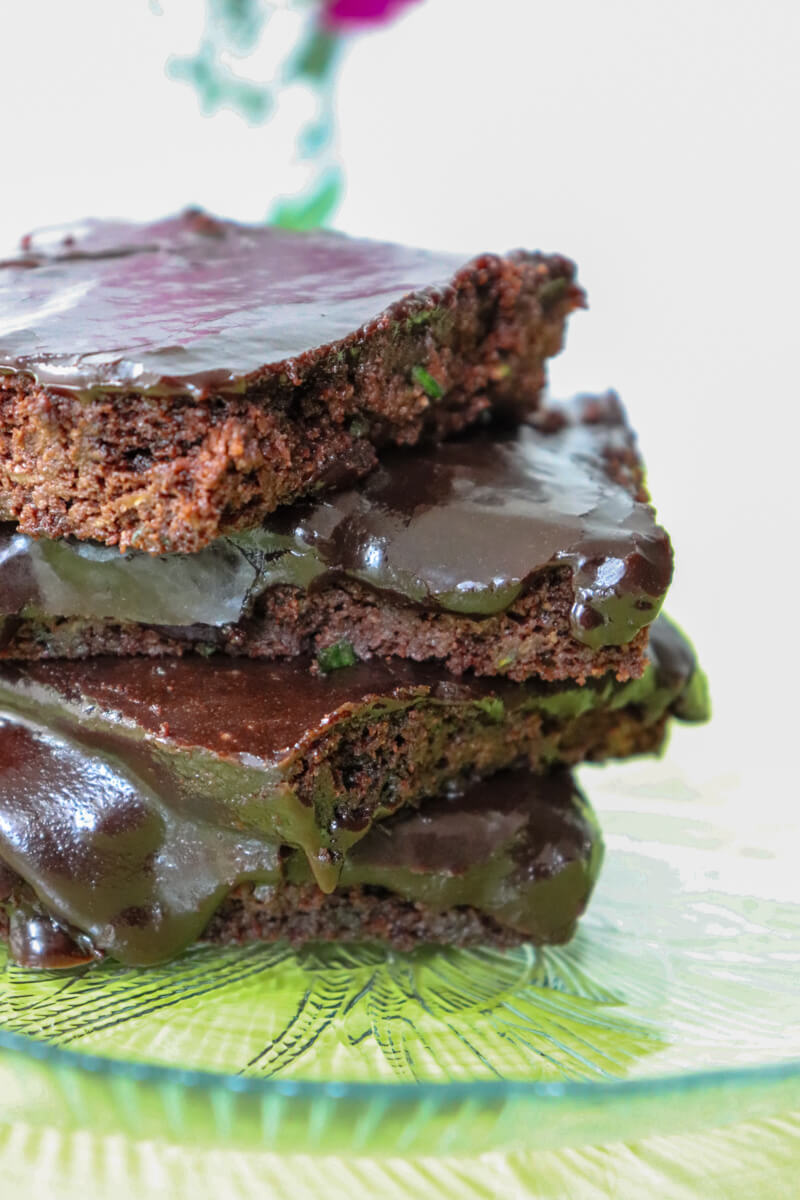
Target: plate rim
x,y
779,1072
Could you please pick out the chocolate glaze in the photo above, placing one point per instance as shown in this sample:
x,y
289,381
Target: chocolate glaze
x,y
526,849
135,795
113,877
111,857
463,527
197,305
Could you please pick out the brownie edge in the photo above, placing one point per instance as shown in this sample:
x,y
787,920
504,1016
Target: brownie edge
x,y
204,425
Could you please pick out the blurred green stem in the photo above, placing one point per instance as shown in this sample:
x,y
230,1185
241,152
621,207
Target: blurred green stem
x,y
236,27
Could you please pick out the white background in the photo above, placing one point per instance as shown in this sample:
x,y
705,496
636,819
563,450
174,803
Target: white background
x,y
655,143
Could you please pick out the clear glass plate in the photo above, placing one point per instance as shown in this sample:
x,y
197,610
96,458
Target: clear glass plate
x,y
676,1008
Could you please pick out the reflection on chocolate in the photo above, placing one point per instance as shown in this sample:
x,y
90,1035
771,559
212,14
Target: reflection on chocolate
x,y
107,855
36,939
82,579
101,312
462,527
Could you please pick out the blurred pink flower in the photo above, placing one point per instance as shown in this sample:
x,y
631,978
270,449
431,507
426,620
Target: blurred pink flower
x,y
356,14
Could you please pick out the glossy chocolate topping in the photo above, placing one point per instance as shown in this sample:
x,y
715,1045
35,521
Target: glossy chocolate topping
x,y
111,857
134,794
193,304
526,849
463,527
116,872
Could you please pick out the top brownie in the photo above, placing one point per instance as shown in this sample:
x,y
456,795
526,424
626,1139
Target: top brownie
x,y
163,384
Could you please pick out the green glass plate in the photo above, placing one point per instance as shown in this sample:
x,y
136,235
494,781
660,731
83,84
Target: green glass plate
x,y
676,1008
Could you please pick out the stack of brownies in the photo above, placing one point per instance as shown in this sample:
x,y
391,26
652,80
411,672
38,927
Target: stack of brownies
x,y
308,601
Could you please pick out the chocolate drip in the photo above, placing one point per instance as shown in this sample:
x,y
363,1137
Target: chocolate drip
x,y
463,527
36,939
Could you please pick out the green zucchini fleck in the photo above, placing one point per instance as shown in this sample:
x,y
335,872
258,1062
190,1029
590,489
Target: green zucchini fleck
x,y
428,384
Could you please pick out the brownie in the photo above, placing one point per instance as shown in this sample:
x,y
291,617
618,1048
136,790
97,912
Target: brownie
x,y
527,551
504,860
163,384
167,784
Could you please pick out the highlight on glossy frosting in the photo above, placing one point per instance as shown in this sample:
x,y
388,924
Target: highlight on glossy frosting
x,y
462,527
134,795
192,303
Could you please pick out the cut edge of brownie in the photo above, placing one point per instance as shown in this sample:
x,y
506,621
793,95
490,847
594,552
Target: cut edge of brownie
x,y
172,473
300,913
366,768
531,638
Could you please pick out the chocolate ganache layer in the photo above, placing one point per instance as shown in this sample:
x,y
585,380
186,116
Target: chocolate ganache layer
x,y
168,784
161,384
526,551
508,859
